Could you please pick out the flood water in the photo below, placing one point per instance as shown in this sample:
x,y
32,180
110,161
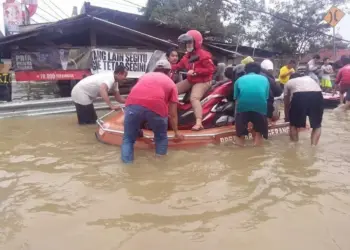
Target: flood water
x,y
61,189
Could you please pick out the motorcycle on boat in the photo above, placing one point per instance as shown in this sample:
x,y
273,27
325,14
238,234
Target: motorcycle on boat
x,y
218,118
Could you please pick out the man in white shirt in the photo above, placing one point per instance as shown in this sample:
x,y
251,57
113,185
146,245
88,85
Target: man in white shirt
x,y
88,89
303,98
313,68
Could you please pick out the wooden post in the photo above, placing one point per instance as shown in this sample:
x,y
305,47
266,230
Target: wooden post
x,y
334,46
93,37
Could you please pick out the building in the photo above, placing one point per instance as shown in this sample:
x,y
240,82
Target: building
x,y
327,53
64,51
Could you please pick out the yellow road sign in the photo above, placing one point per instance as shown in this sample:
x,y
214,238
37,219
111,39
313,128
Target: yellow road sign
x,y
333,16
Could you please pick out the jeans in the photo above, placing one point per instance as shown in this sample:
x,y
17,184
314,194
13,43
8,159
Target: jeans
x,y
135,116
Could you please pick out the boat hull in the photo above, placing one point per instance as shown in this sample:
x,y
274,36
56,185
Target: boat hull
x,y
330,100
111,130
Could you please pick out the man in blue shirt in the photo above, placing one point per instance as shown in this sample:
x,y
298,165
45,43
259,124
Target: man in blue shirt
x,y
251,93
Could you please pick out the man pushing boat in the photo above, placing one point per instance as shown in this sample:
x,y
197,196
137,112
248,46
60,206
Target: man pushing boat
x,y
153,99
89,88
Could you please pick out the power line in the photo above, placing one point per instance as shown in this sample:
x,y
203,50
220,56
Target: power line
x,y
42,17
58,8
47,12
52,10
250,8
134,4
117,3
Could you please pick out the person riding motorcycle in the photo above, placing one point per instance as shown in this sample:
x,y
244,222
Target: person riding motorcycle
x,y
200,69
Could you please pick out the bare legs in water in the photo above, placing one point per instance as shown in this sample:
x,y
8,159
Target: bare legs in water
x,y
315,135
257,137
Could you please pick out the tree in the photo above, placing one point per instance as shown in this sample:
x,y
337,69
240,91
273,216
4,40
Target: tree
x,y
204,15
228,20
289,27
328,43
296,26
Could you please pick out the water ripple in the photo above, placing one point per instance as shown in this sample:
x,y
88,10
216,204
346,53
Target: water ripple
x,y
58,188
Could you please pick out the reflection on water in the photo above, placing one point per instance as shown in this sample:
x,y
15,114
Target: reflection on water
x,y
61,189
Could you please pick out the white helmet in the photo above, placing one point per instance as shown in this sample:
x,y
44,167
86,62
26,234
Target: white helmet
x,y
267,65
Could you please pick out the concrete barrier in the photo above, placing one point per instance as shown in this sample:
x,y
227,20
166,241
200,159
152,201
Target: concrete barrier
x,y
46,107
43,107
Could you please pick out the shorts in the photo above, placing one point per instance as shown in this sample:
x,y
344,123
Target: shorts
x,y
259,121
305,104
86,113
345,89
270,109
326,83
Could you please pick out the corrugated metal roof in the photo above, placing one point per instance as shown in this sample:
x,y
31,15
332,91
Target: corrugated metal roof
x,y
134,32
85,21
97,11
53,27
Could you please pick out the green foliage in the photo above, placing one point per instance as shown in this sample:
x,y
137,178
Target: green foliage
x,y
304,32
289,27
204,15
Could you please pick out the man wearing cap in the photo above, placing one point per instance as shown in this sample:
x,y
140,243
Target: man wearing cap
x,y
153,99
275,90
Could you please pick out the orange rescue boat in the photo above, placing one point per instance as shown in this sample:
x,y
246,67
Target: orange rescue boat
x,y
110,131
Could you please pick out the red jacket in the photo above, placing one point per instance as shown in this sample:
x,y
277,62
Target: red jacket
x,y
343,76
203,68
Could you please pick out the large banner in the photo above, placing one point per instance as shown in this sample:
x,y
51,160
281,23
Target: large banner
x,y
13,17
51,59
135,61
49,64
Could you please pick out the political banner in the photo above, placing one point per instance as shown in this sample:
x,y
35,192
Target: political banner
x,y
13,17
51,75
52,64
107,59
51,59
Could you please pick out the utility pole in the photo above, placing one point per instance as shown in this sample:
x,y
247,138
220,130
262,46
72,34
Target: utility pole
x,y
333,17
334,47
75,11
26,20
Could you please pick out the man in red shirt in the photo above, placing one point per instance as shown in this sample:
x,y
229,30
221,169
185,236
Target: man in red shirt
x,y
343,80
153,99
199,72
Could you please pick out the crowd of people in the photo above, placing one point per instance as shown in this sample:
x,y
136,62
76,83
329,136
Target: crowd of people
x,y
154,98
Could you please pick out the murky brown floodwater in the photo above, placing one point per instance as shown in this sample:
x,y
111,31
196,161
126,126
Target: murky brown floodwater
x,y
61,189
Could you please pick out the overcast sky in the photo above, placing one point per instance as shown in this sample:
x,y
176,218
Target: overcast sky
x,y
45,14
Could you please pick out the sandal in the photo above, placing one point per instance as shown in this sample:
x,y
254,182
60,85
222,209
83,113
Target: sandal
x,y
197,128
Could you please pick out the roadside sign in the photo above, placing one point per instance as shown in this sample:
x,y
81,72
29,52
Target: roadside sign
x,y
333,16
